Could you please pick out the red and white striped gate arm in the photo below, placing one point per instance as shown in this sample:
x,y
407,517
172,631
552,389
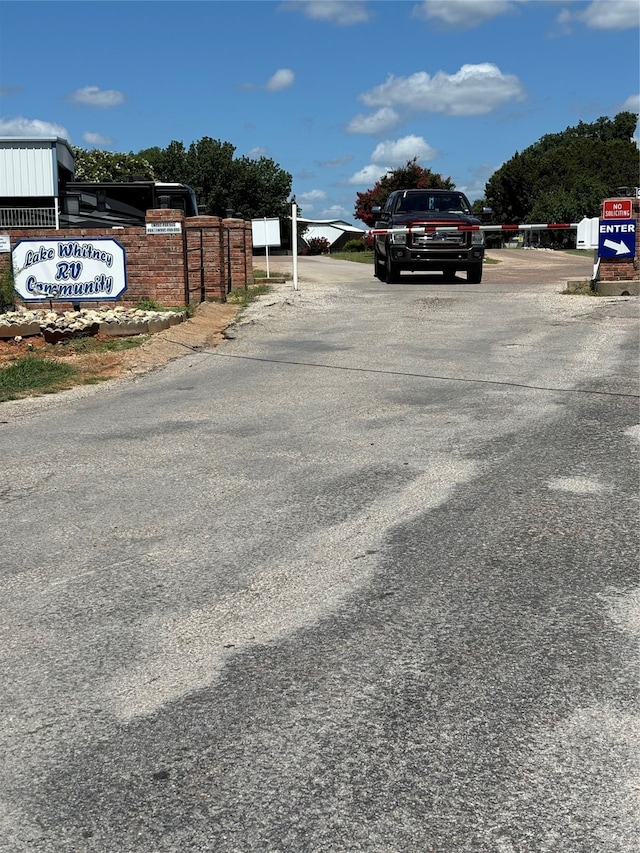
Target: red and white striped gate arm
x,y
422,228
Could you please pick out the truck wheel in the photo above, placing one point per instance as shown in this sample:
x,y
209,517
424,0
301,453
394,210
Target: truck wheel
x,y
474,274
379,269
392,272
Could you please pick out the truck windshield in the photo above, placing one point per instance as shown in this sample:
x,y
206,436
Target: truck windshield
x,y
428,203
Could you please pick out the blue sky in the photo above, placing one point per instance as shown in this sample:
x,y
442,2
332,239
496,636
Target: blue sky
x,y
334,92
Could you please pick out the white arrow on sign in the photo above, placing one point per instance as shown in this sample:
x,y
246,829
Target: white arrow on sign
x,y
621,248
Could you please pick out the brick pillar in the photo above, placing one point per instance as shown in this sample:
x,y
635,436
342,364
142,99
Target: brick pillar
x,y
160,257
205,259
238,252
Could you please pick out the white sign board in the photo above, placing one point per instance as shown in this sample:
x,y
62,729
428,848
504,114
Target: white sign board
x,y
5,243
69,270
265,232
164,228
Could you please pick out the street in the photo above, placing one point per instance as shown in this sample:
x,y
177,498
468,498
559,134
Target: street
x,y
364,577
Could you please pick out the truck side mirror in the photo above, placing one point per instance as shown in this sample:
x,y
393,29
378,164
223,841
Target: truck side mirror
x,y
487,215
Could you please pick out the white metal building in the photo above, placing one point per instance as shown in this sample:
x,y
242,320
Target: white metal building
x,y
336,231
32,171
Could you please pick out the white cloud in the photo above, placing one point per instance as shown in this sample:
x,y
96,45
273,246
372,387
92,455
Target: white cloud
x,y
632,104
463,14
257,152
312,197
389,154
21,126
379,122
282,79
341,12
336,211
402,150
610,14
368,176
473,90
92,96
96,139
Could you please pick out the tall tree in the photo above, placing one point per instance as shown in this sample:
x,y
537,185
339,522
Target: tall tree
x,y
260,188
409,177
565,176
249,187
170,163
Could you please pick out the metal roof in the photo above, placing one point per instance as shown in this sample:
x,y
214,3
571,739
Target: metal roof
x,y
330,229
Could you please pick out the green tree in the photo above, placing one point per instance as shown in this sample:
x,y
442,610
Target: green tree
x,y
260,188
170,163
565,176
97,165
409,177
249,187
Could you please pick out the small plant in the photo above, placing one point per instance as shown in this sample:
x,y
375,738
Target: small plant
x,y
318,246
245,296
146,304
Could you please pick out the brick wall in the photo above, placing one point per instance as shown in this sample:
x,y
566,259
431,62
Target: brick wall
x,y
623,269
204,262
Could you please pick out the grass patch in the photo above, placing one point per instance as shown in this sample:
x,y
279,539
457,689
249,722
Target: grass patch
x,y
358,257
89,345
31,374
146,304
245,296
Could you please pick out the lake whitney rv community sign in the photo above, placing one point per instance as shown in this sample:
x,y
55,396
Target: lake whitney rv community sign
x,y
69,270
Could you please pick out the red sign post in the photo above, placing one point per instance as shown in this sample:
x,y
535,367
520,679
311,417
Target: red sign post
x,y
616,208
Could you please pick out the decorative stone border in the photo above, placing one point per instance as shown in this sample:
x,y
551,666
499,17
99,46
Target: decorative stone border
x,y
54,327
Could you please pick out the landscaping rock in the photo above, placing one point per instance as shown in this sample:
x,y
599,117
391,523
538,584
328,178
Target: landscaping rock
x,y
117,321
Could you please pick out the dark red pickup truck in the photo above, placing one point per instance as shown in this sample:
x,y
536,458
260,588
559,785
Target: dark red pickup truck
x,y
418,243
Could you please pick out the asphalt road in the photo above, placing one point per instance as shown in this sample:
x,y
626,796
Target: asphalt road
x,y
362,578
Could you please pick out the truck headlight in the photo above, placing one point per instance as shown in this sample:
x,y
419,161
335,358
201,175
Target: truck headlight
x,y
399,238
477,238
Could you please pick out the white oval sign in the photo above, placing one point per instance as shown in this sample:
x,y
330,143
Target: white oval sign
x,y
69,270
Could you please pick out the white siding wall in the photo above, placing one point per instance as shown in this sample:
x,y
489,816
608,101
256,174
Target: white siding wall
x,y
27,170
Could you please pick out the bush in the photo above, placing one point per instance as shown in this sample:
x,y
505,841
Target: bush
x,y
318,246
357,245
7,293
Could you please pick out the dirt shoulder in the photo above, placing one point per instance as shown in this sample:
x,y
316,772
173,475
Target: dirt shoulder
x,y
204,330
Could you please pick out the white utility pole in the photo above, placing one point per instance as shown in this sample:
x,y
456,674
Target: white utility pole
x,y
294,241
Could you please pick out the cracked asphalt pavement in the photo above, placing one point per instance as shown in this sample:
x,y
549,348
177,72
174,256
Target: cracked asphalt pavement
x,y
361,577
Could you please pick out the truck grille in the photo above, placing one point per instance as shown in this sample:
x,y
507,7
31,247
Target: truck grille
x,y
441,238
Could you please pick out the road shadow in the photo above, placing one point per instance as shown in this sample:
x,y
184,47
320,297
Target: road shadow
x,y
433,279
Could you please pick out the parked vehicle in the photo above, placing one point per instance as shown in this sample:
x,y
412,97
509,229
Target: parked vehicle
x,y
91,205
410,238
